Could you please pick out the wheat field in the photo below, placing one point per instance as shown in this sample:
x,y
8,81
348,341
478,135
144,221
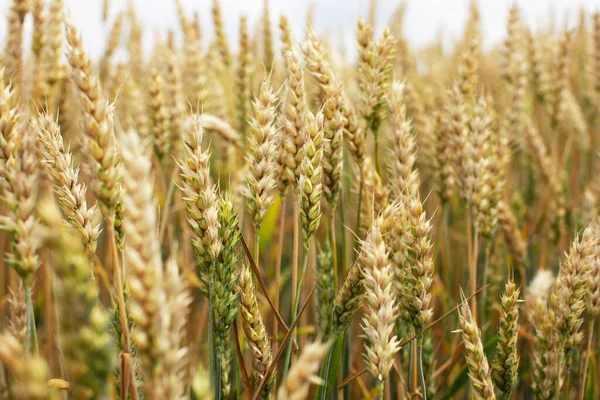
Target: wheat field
x,y
292,219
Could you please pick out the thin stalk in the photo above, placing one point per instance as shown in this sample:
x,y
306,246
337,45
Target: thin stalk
x,y
286,339
215,370
474,269
118,285
288,350
446,224
569,358
377,167
125,373
327,365
343,221
346,364
380,389
133,387
587,358
486,264
295,255
360,196
333,247
471,261
257,245
278,268
240,358
31,344
167,208
409,383
420,365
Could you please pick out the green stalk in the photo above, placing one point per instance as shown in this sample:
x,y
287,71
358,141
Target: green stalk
x,y
380,385
256,245
333,248
288,349
215,364
345,183
446,213
360,195
330,366
346,364
410,365
568,362
31,343
420,365
377,167
484,277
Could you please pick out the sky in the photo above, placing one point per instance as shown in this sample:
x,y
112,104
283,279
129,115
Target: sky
x,y
424,21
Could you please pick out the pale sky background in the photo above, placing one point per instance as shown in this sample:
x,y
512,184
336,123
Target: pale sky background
x,y
424,18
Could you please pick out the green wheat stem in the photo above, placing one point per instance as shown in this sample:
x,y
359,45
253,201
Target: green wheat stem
x,y
31,343
420,365
288,350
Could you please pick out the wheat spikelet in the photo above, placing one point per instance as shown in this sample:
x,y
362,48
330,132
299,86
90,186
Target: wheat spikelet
x,y
560,84
325,289
405,183
98,127
285,36
506,360
13,53
242,83
309,188
568,296
224,279
507,224
28,373
174,101
478,181
16,306
144,265
348,299
177,302
52,52
71,193
303,373
317,64
477,363
221,39
38,42
255,332
9,119
262,156
193,76
216,98
468,70
378,324
19,183
267,36
134,44
200,196
545,355
418,275
424,126
159,116
375,63
374,192
332,148
593,296
294,108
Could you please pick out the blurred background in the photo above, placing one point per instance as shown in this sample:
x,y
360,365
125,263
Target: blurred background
x,y
425,19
